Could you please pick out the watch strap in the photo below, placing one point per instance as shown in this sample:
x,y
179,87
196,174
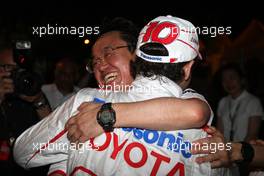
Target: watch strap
x,y
106,106
247,152
108,128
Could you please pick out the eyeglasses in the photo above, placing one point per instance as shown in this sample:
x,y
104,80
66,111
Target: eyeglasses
x,y
107,53
8,67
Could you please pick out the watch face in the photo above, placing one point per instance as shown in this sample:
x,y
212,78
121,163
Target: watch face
x,y
106,117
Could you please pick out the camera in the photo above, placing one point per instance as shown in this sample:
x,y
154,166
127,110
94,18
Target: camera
x,y
26,81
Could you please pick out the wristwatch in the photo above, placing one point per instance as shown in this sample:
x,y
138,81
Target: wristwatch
x,y
40,103
247,152
106,117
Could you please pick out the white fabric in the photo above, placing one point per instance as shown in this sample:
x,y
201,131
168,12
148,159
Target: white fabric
x,y
256,173
54,96
241,109
58,167
177,35
126,151
190,93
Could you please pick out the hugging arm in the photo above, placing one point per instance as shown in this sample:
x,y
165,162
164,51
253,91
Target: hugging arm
x,y
45,142
190,111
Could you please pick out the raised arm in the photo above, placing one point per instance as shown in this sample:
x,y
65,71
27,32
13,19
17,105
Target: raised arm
x,y
157,114
163,114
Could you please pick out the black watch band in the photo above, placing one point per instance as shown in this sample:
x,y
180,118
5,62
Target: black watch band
x,y
247,152
106,106
108,128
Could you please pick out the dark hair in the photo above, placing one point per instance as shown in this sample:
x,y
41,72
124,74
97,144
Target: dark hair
x,y
232,66
156,70
128,30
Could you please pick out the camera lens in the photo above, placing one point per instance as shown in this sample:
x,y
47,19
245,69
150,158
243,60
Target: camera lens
x,y
26,83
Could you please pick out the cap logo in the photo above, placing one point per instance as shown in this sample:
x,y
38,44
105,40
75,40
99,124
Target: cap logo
x,y
172,60
155,30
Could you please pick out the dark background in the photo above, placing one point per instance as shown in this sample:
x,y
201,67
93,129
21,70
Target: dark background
x,y
18,19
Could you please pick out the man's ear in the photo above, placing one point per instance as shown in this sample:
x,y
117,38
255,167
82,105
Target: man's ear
x,y
187,70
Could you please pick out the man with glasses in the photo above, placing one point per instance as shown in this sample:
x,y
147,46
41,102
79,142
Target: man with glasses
x,y
7,65
17,113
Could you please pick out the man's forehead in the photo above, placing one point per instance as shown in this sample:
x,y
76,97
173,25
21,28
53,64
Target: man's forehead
x,y
107,40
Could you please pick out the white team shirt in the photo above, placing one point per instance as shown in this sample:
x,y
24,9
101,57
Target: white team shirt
x,y
126,151
54,96
238,110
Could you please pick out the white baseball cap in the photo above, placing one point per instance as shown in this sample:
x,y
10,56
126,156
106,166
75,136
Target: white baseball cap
x,y
178,36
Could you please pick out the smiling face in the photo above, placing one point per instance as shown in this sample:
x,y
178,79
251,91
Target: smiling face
x,y
112,66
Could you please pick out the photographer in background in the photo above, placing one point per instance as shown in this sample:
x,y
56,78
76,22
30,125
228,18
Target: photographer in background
x,y
17,111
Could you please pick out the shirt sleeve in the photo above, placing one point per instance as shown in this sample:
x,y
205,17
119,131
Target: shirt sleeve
x,y
46,142
255,108
189,93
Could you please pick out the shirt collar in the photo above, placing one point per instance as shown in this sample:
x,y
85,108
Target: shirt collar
x,y
241,96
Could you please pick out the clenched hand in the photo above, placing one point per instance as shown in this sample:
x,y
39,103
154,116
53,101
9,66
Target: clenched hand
x,y
83,126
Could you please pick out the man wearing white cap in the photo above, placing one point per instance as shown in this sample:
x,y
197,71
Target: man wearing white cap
x,y
128,151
